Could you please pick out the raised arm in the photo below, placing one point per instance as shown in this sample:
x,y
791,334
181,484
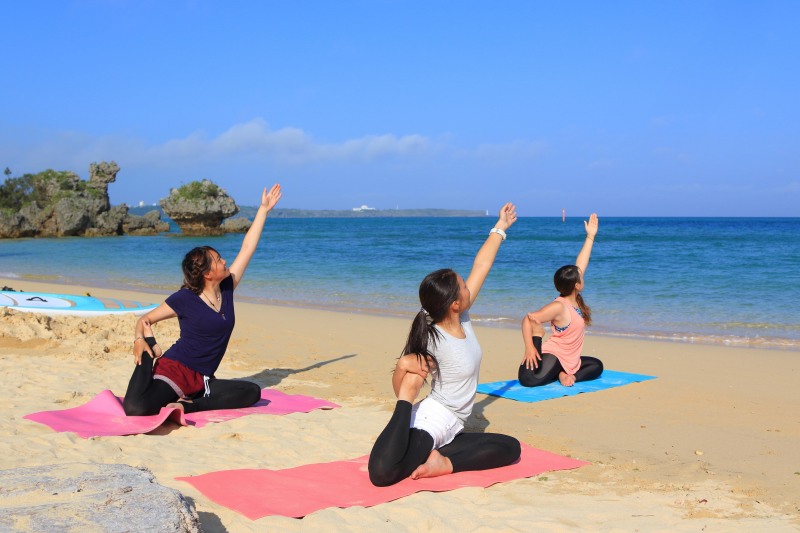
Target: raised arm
x,y
486,255
253,235
586,250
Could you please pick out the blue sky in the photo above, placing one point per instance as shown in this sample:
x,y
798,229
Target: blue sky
x,y
624,108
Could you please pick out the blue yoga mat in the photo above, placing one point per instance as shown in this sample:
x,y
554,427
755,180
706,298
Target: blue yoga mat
x,y
514,391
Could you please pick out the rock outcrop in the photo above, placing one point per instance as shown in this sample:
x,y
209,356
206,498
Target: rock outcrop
x,y
199,208
56,204
91,497
236,225
100,175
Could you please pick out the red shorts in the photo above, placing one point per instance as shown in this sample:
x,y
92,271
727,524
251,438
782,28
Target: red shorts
x,y
183,380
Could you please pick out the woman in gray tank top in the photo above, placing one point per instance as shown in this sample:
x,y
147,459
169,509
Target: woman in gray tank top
x,y
426,439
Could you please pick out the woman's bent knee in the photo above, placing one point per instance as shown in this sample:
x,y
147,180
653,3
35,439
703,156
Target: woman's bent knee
x,y
252,393
378,480
514,449
380,477
526,377
135,409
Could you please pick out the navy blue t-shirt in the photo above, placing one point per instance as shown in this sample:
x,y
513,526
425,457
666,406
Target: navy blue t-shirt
x,y
204,332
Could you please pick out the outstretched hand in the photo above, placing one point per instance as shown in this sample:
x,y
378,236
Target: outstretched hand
x,y
269,199
591,226
508,215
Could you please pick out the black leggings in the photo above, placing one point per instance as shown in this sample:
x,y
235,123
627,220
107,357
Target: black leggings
x,y
146,396
550,367
400,449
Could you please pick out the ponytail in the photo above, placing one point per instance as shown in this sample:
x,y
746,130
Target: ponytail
x,y
586,311
421,338
437,291
565,280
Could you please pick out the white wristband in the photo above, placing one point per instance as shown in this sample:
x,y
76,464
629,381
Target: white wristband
x,y
499,232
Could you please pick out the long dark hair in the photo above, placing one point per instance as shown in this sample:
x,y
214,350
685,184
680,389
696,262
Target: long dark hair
x,y
195,265
437,291
565,280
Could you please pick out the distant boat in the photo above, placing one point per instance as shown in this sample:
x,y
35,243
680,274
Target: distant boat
x,y
364,208
563,215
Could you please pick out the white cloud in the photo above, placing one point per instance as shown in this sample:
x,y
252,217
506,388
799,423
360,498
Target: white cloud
x,y
287,145
372,147
249,143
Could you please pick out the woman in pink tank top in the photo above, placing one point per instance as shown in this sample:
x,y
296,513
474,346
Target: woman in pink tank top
x,y
559,357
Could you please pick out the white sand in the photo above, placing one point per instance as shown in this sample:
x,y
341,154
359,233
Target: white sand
x,y
710,445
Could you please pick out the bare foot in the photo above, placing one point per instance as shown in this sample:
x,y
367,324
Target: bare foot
x,y
436,465
410,387
566,379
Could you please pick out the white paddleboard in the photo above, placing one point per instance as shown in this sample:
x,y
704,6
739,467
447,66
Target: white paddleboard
x,y
70,304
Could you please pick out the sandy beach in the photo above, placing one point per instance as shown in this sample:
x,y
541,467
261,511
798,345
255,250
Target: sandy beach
x,y
710,445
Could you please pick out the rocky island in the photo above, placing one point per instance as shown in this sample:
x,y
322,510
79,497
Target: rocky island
x,y
59,203
199,208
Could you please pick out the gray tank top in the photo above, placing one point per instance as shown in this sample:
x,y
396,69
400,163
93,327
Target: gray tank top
x,y
459,366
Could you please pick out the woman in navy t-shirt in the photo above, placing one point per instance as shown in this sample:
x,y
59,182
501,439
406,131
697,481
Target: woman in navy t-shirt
x,y
183,376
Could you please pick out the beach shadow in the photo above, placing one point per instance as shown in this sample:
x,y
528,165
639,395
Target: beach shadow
x,y
165,429
272,376
209,522
478,422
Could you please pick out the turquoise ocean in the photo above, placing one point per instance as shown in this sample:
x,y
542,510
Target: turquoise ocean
x,y
729,281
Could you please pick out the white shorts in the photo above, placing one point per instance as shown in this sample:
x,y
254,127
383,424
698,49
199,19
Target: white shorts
x,y
436,419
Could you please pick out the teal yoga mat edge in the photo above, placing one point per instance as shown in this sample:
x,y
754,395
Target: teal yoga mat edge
x,y
512,390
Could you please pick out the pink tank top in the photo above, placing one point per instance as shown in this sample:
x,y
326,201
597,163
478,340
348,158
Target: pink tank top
x,y
567,344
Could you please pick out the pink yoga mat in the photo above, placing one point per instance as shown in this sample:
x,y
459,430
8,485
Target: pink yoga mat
x,y
103,415
296,492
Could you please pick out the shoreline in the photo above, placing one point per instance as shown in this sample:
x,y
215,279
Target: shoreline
x,y
662,452
767,343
